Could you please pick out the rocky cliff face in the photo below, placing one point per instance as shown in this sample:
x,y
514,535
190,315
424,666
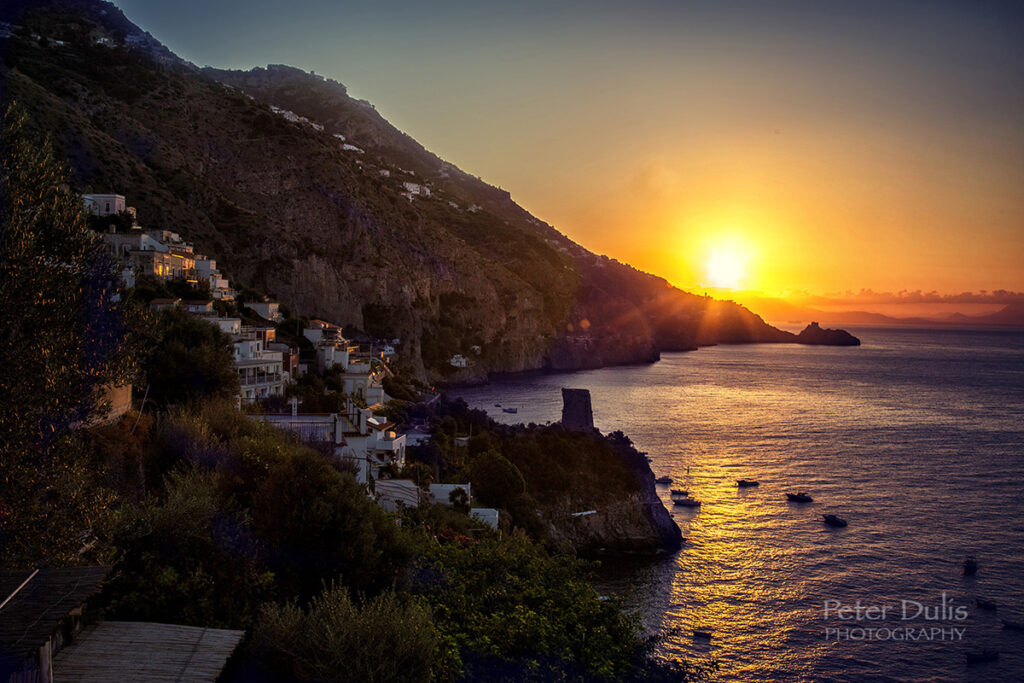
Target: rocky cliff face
x,y
637,524
633,523
306,194
625,529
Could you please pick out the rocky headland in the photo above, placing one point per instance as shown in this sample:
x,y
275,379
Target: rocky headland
x,y
816,335
636,523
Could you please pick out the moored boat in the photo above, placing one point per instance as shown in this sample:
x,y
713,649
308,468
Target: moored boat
x,y
663,480
970,566
686,502
679,492
1013,625
746,483
510,410
985,604
799,497
832,520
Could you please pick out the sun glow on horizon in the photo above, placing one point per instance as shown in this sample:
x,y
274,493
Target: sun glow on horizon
x,y
725,268
727,263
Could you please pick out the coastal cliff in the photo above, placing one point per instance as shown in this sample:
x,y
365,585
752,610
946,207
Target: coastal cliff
x,y
304,193
560,484
633,524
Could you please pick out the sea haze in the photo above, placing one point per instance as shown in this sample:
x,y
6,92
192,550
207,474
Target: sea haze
x,y
915,438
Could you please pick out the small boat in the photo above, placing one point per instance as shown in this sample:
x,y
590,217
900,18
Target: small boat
x,y
985,604
686,502
744,483
970,566
799,497
1012,625
702,634
981,656
663,480
497,405
680,492
832,520
510,410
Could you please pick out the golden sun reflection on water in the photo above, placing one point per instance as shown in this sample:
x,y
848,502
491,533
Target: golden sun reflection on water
x,y
914,437
734,603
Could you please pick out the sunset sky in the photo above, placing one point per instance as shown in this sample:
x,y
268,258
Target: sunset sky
x,y
784,146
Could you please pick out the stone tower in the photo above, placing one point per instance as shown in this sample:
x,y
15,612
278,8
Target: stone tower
x,y
576,411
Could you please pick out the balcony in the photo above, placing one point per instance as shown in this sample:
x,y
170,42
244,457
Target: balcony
x,y
260,379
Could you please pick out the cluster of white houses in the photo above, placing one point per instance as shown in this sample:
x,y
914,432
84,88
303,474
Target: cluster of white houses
x,y
265,366
358,438
363,441
371,447
161,254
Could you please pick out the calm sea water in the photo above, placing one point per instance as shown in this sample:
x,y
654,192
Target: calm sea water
x,y
916,438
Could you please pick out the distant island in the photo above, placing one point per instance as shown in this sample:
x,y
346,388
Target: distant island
x,y
815,334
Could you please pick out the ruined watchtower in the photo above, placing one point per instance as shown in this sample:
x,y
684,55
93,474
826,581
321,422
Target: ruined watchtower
x,y
576,411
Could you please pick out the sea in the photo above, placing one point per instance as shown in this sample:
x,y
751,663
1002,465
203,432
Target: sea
x,y
916,438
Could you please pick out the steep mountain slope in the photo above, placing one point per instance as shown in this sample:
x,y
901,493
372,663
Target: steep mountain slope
x,y
308,194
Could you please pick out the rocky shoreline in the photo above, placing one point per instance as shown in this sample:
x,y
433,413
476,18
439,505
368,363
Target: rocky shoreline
x,y
640,525
812,335
637,525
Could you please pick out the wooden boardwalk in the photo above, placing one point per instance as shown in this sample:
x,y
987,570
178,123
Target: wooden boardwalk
x,y
144,652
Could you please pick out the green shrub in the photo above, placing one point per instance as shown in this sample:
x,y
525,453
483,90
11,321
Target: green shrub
x,y
188,559
384,639
515,612
64,339
319,525
193,360
496,481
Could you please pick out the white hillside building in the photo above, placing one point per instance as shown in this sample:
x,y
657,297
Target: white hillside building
x,y
366,443
362,376
268,310
105,204
260,371
160,254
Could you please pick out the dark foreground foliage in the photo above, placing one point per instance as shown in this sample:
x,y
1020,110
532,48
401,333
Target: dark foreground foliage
x,y
252,529
64,340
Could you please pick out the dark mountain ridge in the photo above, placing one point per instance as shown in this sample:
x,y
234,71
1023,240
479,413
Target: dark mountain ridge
x,y
305,193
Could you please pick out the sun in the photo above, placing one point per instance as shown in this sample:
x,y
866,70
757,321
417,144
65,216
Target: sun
x,y
726,267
